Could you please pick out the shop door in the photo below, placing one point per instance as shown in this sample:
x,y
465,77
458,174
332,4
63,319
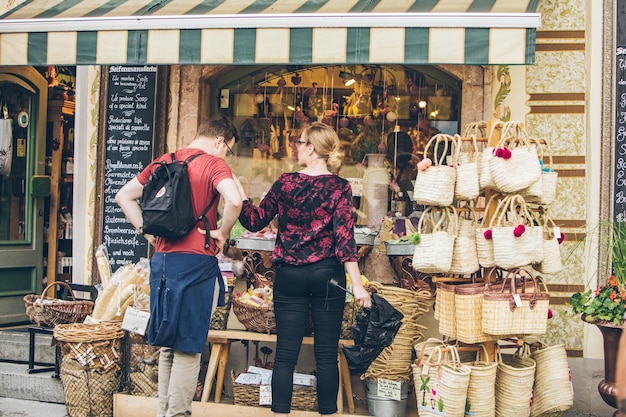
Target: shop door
x,y
23,98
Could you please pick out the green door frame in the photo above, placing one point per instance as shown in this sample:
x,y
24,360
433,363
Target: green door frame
x,y
21,263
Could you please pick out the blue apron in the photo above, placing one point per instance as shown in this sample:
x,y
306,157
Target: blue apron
x,y
181,297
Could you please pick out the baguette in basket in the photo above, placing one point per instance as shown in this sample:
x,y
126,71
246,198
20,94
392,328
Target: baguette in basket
x,y
129,284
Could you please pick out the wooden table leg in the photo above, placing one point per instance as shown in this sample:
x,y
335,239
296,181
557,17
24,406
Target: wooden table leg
x,y
216,349
340,390
221,371
344,373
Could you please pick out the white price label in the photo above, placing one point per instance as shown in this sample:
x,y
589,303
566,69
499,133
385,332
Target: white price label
x,y
136,321
265,395
389,389
517,299
557,232
357,186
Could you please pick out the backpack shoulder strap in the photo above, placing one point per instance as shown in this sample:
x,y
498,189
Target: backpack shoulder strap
x,y
207,227
192,157
202,216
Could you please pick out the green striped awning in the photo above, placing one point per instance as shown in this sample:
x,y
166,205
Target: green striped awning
x,y
108,32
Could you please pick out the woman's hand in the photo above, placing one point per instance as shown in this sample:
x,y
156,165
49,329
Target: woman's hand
x,y
358,290
362,296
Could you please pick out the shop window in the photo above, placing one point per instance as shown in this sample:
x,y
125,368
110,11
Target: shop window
x,y
364,103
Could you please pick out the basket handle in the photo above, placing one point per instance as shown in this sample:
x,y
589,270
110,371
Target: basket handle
x,y
434,141
473,151
500,210
494,126
487,206
476,128
482,349
512,277
445,213
430,342
513,136
43,293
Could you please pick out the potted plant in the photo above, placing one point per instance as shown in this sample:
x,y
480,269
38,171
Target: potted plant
x,y
605,306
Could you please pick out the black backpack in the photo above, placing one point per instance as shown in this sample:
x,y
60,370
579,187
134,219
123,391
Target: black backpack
x,y
166,203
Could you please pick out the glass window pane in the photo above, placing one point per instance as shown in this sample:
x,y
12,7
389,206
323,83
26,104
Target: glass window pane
x,y
15,111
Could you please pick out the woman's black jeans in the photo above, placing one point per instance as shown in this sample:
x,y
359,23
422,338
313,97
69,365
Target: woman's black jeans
x,y
296,288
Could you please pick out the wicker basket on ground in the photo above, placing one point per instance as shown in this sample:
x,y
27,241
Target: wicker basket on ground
x,y
304,398
91,366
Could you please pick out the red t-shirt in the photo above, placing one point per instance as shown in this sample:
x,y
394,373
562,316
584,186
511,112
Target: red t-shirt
x,y
205,173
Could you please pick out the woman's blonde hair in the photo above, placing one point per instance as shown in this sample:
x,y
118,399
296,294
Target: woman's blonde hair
x,y
326,144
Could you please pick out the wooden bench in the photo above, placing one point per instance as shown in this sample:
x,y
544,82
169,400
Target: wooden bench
x,y
220,341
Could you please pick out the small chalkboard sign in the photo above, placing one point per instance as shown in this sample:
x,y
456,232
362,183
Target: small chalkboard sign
x,y
129,129
619,174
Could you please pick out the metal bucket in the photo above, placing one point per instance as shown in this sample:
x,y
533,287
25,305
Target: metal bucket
x,y
386,407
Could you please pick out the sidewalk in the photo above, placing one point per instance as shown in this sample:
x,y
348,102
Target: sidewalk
x,y
586,374
11,407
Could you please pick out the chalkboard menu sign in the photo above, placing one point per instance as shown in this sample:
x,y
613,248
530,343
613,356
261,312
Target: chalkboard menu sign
x,y
619,175
129,133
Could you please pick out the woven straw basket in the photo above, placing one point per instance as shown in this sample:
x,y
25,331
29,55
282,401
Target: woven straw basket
x,y
505,312
543,191
552,262
435,185
394,362
521,168
46,311
219,319
485,179
303,398
467,186
464,254
511,250
482,386
468,313
514,385
553,393
91,366
259,319
484,242
350,310
449,378
445,306
433,254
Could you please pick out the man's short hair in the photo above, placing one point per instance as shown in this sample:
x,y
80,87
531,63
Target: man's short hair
x,y
218,126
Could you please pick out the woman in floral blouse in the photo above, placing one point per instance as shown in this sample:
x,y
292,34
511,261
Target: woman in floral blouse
x,y
314,244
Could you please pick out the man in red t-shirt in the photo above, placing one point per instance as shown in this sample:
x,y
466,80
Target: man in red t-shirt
x,y
185,280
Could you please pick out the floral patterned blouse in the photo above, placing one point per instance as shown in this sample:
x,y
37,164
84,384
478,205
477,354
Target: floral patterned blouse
x,y
314,218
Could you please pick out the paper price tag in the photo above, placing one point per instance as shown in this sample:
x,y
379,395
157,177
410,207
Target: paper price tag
x,y
425,370
136,321
389,389
357,186
557,232
265,395
517,299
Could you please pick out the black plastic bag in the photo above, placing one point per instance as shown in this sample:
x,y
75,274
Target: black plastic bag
x,y
375,329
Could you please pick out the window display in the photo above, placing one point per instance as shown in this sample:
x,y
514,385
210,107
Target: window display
x,y
368,106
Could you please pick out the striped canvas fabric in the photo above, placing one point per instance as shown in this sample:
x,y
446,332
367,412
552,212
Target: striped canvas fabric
x,y
106,32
